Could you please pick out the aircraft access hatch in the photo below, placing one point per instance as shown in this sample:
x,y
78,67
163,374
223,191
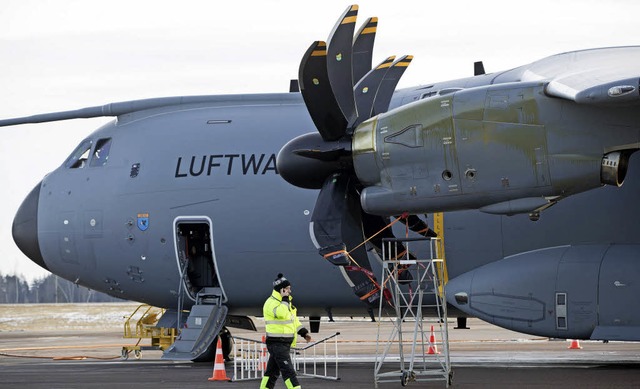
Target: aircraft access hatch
x,y
195,255
199,282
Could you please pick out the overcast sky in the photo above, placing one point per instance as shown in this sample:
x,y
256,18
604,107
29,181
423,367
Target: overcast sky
x,y
64,54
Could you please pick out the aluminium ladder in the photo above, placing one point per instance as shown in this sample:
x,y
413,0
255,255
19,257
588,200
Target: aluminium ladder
x,y
412,295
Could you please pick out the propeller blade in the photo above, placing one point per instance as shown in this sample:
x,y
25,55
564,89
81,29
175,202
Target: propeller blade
x,y
335,225
339,63
389,83
363,48
318,95
331,206
365,90
324,160
336,219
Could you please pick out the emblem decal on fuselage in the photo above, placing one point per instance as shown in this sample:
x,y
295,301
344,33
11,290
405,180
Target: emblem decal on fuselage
x,y
143,221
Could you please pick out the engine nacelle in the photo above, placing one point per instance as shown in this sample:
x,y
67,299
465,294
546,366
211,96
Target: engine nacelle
x,y
503,148
571,292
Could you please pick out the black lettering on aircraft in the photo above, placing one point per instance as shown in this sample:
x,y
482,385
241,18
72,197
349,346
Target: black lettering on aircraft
x,y
249,164
178,174
271,165
194,173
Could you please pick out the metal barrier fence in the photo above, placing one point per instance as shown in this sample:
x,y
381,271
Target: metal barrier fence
x,y
308,358
250,359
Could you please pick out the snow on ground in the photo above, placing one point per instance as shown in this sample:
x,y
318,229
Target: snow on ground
x,y
46,317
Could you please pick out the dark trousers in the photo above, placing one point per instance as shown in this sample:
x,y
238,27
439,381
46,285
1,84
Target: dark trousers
x,y
280,362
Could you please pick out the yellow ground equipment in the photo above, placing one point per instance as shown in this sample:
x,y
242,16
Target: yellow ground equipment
x,y
145,318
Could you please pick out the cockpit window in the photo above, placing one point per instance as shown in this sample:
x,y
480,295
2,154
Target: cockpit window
x,y
78,159
101,152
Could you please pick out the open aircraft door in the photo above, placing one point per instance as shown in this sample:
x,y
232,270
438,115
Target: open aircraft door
x,y
196,261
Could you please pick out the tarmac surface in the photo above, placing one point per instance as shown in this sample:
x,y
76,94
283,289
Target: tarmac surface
x,y
483,356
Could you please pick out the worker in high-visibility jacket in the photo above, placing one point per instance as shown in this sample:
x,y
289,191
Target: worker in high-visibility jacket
x,y
282,325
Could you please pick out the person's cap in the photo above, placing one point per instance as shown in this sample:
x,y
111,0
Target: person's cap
x,y
280,282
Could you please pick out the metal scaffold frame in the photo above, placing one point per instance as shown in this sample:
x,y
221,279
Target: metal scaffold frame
x,y
413,286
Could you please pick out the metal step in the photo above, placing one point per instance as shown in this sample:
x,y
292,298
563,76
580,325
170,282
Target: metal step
x,y
203,325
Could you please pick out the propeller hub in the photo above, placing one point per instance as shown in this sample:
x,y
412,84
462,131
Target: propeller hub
x,y
307,160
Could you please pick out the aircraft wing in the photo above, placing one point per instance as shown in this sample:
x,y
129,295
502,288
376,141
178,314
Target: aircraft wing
x,y
609,76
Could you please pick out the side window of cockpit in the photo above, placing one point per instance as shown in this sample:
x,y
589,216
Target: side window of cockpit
x,y
101,152
78,159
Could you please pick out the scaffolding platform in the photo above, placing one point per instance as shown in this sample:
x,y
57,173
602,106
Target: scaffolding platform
x,y
413,299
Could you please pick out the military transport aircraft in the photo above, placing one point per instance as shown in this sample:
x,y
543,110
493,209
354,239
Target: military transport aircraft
x,y
527,163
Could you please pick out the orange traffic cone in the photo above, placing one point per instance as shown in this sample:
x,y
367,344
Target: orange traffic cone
x,y
433,349
263,355
575,345
219,373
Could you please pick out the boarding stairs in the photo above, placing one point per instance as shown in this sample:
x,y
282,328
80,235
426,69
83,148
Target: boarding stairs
x,y
197,334
417,348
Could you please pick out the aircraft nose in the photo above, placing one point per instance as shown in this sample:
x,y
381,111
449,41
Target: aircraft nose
x,y
25,227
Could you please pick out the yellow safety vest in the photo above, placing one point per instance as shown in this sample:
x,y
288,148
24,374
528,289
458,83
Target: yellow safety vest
x,y
280,318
